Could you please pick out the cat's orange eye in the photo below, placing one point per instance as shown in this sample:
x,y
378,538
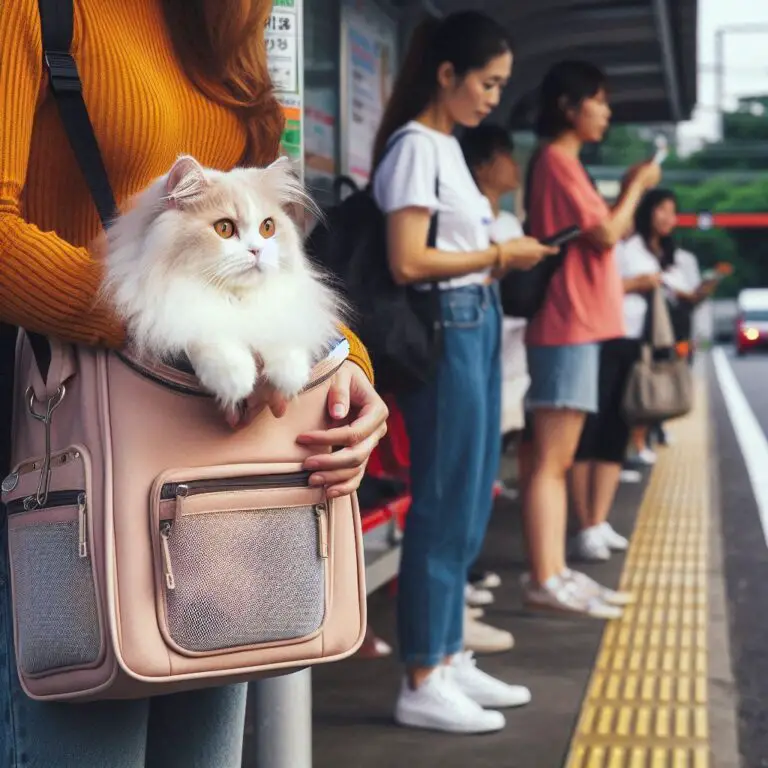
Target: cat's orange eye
x,y
267,228
225,228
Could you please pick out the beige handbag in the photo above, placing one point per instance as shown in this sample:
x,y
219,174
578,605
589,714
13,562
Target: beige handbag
x,y
658,389
153,549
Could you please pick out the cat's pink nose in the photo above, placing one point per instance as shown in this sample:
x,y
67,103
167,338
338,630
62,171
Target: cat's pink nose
x,y
255,251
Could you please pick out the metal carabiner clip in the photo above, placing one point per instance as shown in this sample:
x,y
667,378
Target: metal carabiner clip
x,y
53,402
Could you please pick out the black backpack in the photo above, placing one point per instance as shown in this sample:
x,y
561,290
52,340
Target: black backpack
x,y
523,291
400,326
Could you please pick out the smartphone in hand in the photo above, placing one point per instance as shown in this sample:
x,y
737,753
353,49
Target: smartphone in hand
x,y
562,237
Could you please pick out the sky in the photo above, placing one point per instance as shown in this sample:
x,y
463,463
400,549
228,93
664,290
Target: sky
x,y
746,62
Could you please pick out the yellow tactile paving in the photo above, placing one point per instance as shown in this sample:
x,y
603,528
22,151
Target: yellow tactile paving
x,y
646,703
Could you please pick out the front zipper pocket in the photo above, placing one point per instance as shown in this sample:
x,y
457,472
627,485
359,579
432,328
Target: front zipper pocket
x,y
241,561
55,605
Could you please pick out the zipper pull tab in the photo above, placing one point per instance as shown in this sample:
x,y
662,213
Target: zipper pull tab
x,y
82,526
322,530
182,491
165,533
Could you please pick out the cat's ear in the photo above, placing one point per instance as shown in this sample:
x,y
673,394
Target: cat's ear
x,y
282,178
186,181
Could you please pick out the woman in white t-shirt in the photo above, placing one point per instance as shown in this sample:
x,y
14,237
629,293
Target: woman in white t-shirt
x,y
454,72
653,245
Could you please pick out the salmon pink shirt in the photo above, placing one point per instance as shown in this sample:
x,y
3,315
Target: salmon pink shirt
x,y
584,299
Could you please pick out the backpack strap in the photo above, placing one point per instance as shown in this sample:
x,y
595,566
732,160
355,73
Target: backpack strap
x,y
57,20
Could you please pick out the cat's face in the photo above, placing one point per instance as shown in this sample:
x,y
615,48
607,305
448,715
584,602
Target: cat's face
x,y
229,229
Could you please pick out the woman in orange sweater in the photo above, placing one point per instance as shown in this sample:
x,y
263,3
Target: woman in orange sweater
x,y
161,78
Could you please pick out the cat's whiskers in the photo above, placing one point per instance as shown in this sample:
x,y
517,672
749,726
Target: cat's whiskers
x,y
216,275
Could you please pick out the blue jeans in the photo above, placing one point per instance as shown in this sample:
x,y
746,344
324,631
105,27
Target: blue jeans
x,y
200,729
454,429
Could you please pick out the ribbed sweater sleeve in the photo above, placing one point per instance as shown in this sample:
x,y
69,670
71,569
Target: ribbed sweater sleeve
x,y
46,284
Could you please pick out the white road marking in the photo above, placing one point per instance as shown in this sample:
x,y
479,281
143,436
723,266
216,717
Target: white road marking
x,y
749,433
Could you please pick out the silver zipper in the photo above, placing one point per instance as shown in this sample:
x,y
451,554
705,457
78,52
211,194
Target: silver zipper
x,y
321,514
82,526
165,534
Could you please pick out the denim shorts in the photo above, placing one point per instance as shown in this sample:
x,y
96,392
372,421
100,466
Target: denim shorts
x,y
564,376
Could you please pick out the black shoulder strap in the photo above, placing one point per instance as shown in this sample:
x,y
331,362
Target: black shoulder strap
x,y
56,20
529,178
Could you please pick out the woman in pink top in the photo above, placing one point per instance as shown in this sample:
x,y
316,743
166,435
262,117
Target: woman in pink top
x,y
582,308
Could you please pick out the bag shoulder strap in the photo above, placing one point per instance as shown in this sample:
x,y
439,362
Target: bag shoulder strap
x,y
56,21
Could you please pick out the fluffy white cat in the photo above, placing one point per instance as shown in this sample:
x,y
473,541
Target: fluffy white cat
x,y
209,264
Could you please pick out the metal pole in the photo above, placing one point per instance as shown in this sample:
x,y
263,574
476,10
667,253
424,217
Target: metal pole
x,y
752,29
720,77
282,720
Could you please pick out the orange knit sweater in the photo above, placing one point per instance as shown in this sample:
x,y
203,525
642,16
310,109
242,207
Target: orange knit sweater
x,y
145,113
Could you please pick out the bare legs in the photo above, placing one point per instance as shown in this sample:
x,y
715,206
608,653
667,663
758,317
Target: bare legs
x,y
556,436
593,489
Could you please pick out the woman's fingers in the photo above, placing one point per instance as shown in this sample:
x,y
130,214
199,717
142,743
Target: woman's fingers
x,y
366,424
344,486
347,458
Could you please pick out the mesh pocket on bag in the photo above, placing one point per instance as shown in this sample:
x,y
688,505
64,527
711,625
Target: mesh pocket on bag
x,y
54,598
245,578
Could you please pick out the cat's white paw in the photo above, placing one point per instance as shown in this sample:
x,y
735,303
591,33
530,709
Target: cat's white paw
x,y
227,371
288,372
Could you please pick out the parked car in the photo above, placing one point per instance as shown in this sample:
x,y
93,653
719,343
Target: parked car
x,y
752,320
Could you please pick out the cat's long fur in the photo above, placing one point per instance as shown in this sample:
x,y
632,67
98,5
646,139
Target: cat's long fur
x,y
227,303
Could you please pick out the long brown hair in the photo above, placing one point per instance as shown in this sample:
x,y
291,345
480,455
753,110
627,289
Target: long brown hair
x,y
220,44
467,39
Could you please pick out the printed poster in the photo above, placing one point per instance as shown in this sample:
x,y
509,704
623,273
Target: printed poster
x,y
285,61
320,134
369,73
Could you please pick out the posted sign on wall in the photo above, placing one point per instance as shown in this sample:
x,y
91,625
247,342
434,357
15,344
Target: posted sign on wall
x,y
285,60
369,39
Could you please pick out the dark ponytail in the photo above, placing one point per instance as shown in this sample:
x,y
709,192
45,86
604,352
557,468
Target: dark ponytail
x,y
468,40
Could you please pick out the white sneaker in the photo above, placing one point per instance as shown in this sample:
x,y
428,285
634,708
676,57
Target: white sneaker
x,y
487,691
483,638
630,476
590,545
612,539
592,589
507,491
644,458
561,595
484,580
440,705
477,597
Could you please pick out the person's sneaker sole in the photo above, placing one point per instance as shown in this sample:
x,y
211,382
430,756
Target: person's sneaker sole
x,y
489,648
419,720
611,612
479,598
519,697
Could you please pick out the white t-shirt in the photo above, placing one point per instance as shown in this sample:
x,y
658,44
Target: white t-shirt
x,y
406,178
515,380
634,259
688,270
507,227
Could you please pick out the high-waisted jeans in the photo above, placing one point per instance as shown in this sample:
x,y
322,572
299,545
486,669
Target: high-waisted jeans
x,y
454,429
